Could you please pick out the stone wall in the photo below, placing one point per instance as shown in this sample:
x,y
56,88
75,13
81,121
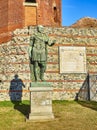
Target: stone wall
x,y
15,70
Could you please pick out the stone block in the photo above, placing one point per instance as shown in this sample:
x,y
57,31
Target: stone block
x,y
41,102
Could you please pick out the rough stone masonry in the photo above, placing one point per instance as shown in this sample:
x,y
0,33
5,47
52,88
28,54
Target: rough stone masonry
x,y
14,60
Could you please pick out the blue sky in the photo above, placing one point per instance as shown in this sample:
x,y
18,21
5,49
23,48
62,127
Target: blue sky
x,y
73,10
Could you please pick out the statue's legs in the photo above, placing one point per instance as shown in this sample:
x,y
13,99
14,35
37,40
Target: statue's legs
x,y
35,69
42,70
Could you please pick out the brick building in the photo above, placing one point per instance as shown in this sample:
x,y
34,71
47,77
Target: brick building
x,y
19,13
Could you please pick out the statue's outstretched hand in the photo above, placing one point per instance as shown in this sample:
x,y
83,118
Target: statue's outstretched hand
x,y
53,42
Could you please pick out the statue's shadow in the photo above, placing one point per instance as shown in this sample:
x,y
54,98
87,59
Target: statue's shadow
x,y
15,93
21,107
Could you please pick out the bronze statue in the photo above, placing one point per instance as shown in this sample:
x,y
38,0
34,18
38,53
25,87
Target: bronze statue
x,y
38,52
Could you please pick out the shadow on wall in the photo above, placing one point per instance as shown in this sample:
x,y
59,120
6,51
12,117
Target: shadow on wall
x,y
84,92
15,93
15,90
88,91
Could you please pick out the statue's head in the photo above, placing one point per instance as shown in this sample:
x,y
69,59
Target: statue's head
x,y
40,28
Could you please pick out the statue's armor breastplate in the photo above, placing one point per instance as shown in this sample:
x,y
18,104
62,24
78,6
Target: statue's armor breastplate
x,y
39,45
39,50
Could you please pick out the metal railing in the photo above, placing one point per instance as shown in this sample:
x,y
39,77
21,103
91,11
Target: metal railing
x,y
88,91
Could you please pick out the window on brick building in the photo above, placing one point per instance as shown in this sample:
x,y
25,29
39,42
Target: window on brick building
x,y
31,1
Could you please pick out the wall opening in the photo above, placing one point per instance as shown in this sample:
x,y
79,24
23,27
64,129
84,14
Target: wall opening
x,y
55,14
31,1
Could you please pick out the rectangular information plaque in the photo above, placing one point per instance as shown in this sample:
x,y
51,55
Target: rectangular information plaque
x,y
72,59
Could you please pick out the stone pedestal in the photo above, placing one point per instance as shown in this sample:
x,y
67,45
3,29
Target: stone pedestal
x,y
41,101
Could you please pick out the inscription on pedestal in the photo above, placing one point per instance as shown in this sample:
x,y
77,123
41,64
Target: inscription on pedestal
x,y
72,59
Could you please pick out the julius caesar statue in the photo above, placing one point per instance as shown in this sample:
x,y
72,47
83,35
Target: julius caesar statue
x,y
38,52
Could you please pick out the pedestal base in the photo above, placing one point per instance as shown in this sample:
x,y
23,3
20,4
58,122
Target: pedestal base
x,y
41,117
41,102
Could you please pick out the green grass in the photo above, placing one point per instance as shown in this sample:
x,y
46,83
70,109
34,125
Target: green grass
x,y
11,104
69,115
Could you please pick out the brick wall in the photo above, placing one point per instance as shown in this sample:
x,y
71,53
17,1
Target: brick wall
x,y
14,60
12,17
3,13
3,19
15,14
49,12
